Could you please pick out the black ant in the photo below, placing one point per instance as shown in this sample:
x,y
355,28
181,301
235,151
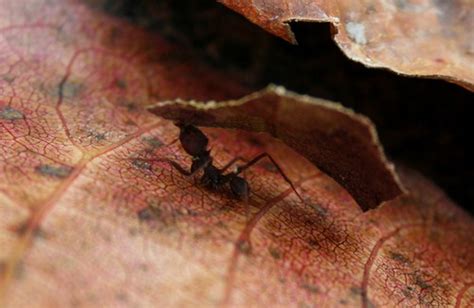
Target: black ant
x,y
195,142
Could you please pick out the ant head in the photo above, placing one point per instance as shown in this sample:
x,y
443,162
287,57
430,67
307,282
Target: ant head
x,y
179,124
194,141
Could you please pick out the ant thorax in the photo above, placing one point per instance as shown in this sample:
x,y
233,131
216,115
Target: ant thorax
x,y
213,177
201,162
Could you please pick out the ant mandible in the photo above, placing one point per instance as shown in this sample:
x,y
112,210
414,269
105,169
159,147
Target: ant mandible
x,y
195,142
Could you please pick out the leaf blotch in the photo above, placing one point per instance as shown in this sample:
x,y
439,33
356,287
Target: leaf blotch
x,y
408,292
21,228
20,271
356,291
26,226
405,5
8,78
148,214
313,243
356,32
96,136
120,83
303,305
121,297
320,211
59,172
244,247
399,257
145,214
269,166
3,268
310,288
153,142
275,253
421,282
130,106
141,164
70,89
9,113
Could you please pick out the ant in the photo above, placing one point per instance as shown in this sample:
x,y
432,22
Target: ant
x,y
195,143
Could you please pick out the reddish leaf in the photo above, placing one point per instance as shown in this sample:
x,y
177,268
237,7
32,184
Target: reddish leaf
x,y
85,219
341,143
421,38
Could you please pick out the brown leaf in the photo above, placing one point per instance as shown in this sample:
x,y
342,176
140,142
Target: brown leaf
x,y
89,218
341,143
420,38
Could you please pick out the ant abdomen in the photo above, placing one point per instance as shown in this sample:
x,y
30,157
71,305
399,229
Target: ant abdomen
x,y
240,187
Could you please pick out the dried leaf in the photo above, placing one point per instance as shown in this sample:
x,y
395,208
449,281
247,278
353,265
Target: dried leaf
x,y
88,218
341,143
420,38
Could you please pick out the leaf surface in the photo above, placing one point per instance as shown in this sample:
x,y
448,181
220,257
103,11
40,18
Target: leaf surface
x,y
89,218
338,141
420,38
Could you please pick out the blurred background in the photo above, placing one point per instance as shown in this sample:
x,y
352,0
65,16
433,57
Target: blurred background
x,y
424,124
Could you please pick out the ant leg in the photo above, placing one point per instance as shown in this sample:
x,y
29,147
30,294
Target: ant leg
x,y
177,166
233,161
261,156
174,164
173,142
